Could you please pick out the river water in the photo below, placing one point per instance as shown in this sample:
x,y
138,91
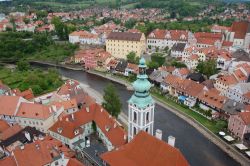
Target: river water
x,y
198,150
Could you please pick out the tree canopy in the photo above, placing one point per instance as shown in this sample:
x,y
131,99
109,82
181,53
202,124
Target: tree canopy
x,y
112,101
132,58
207,68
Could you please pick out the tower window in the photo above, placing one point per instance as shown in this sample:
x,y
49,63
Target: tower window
x,y
134,131
135,116
147,116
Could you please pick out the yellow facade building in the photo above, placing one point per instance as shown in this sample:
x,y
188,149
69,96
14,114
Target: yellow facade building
x,y
120,44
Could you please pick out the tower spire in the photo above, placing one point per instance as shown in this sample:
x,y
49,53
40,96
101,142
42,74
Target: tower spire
x,y
141,105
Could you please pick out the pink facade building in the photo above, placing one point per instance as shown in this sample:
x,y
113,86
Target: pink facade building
x,y
239,124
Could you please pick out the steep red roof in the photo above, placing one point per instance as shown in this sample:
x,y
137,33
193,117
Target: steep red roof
x,y
67,125
240,28
8,161
8,105
245,116
213,98
41,152
169,34
3,125
10,132
34,111
207,38
145,149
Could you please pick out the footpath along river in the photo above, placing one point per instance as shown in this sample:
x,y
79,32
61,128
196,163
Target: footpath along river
x,y
197,149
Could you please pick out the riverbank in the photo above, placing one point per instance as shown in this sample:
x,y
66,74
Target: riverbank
x,y
195,145
207,132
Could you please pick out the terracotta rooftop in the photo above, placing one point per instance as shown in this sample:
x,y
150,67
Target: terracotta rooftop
x,y
41,152
124,36
169,34
3,125
34,111
245,116
145,149
8,161
228,79
10,132
8,105
212,97
240,28
67,125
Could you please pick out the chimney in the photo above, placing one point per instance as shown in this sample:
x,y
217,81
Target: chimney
x,y
87,109
234,104
54,108
115,125
27,135
41,138
37,147
72,117
67,119
22,147
101,109
158,134
124,137
171,140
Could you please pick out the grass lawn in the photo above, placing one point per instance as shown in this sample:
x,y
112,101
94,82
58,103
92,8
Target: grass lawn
x,y
39,81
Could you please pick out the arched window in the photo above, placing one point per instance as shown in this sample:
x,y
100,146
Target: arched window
x,y
147,116
134,131
135,116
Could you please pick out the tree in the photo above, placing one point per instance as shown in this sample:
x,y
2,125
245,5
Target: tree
x,y
178,64
130,23
23,65
131,57
60,28
112,101
41,14
207,68
26,20
158,58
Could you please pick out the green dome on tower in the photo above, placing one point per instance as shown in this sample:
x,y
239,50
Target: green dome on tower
x,y
141,97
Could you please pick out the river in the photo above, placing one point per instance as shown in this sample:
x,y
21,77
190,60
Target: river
x,y
197,149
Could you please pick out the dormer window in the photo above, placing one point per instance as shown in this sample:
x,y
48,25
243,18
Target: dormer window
x,y
76,131
59,130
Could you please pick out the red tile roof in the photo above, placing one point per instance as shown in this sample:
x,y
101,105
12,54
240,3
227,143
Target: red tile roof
x,y
186,86
169,34
212,97
245,116
8,161
74,162
228,79
145,149
207,38
41,152
27,94
240,28
3,125
10,132
8,105
67,125
34,111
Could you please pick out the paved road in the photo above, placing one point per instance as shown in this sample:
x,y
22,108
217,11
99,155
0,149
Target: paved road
x,y
196,148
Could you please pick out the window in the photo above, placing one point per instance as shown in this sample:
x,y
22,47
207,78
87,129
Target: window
x,y
147,116
135,116
134,131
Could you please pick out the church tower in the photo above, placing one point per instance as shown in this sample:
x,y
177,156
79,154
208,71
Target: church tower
x,y
141,105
